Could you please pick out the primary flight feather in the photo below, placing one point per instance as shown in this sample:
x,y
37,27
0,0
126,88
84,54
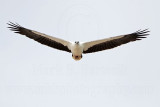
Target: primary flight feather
x,y
77,48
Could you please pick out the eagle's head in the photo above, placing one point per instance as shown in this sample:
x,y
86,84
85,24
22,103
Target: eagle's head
x,y
76,42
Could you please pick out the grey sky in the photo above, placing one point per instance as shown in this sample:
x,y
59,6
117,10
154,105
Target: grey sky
x,y
34,75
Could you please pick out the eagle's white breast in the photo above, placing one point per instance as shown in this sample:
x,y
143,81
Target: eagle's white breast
x,y
76,49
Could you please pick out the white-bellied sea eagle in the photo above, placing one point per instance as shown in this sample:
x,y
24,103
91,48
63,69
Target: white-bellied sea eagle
x,y
78,48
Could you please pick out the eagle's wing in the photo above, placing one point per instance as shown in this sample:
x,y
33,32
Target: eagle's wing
x,y
108,43
41,38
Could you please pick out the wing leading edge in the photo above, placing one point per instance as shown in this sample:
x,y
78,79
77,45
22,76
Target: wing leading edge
x,y
99,45
41,38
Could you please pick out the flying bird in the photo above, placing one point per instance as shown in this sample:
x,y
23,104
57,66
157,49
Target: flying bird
x,y
78,48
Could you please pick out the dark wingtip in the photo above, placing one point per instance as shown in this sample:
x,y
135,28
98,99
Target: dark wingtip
x,y
13,26
140,34
145,31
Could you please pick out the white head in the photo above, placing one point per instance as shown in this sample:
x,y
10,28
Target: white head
x,y
76,42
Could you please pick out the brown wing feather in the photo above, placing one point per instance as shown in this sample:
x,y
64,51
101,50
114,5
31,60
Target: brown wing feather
x,y
117,42
41,39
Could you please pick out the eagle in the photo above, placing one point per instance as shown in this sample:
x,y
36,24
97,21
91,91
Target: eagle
x,y
78,48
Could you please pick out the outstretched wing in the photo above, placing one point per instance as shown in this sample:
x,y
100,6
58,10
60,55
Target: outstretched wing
x,y
99,45
41,38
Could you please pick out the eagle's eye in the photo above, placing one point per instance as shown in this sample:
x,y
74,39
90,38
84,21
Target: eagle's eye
x,y
77,42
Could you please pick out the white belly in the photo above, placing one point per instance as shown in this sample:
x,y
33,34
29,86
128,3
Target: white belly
x,y
77,50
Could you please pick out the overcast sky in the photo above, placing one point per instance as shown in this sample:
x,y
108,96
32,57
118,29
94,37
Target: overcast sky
x,y
34,75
